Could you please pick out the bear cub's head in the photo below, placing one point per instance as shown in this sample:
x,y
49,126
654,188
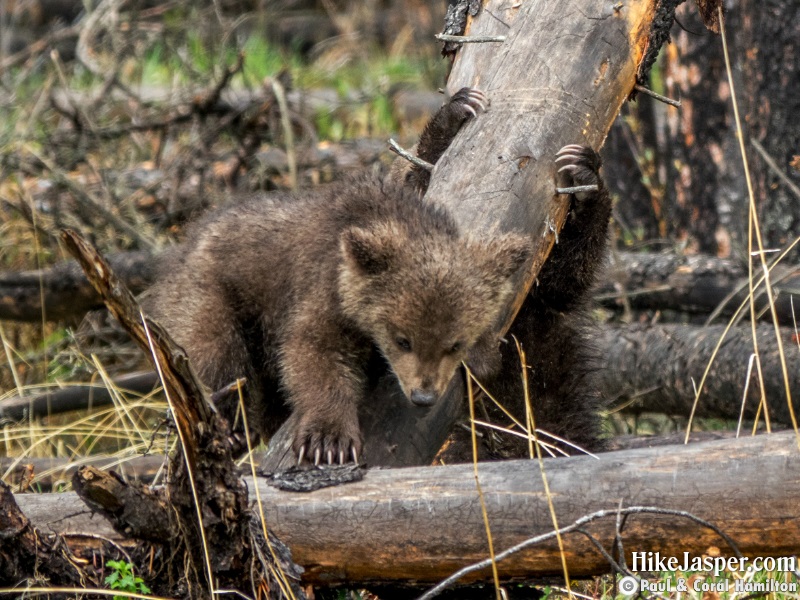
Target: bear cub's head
x,y
425,299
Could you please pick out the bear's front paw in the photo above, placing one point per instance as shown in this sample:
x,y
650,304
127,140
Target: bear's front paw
x,y
331,439
578,165
467,103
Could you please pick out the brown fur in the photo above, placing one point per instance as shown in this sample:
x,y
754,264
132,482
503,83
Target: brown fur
x,y
295,292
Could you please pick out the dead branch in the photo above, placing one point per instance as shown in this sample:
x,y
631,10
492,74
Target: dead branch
x,y
207,498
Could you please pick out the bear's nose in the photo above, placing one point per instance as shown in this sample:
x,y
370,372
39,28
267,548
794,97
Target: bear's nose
x,y
423,397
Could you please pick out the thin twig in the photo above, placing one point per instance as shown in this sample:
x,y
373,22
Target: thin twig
x,y
395,147
659,97
776,169
94,536
574,527
578,189
469,39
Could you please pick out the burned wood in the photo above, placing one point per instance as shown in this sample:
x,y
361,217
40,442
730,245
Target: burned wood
x,y
29,554
133,510
697,284
74,397
207,498
63,292
668,361
348,534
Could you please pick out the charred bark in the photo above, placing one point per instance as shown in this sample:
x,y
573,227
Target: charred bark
x,y
660,365
694,284
29,555
207,498
690,159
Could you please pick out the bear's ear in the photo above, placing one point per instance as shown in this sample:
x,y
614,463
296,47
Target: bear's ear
x,y
507,253
370,251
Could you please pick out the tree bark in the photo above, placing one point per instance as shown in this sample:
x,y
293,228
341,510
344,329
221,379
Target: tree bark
x,y
660,365
426,522
28,554
690,159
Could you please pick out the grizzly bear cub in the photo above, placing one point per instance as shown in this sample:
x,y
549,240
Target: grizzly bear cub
x,y
554,330
294,292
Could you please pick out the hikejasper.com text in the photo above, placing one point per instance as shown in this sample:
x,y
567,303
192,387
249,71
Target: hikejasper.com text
x,y
654,561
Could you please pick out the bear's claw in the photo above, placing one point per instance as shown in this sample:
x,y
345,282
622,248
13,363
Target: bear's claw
x,y
471,101
323,445
577,166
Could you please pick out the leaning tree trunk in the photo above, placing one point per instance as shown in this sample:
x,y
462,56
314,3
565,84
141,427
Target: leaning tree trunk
x,y
554,79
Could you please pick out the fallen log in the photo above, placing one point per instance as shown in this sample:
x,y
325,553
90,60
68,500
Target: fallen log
x,y
695,284
656,365
75,397
660,366
63,291
421,524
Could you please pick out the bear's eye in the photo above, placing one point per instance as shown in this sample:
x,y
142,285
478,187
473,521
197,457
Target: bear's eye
x,y
402,343
456,347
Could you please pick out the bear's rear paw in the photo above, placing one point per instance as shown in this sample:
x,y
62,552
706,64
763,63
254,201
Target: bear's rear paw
x,y
317,440
467,103
578,165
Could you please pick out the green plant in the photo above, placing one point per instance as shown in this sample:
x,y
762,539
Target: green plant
x,y
122,578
